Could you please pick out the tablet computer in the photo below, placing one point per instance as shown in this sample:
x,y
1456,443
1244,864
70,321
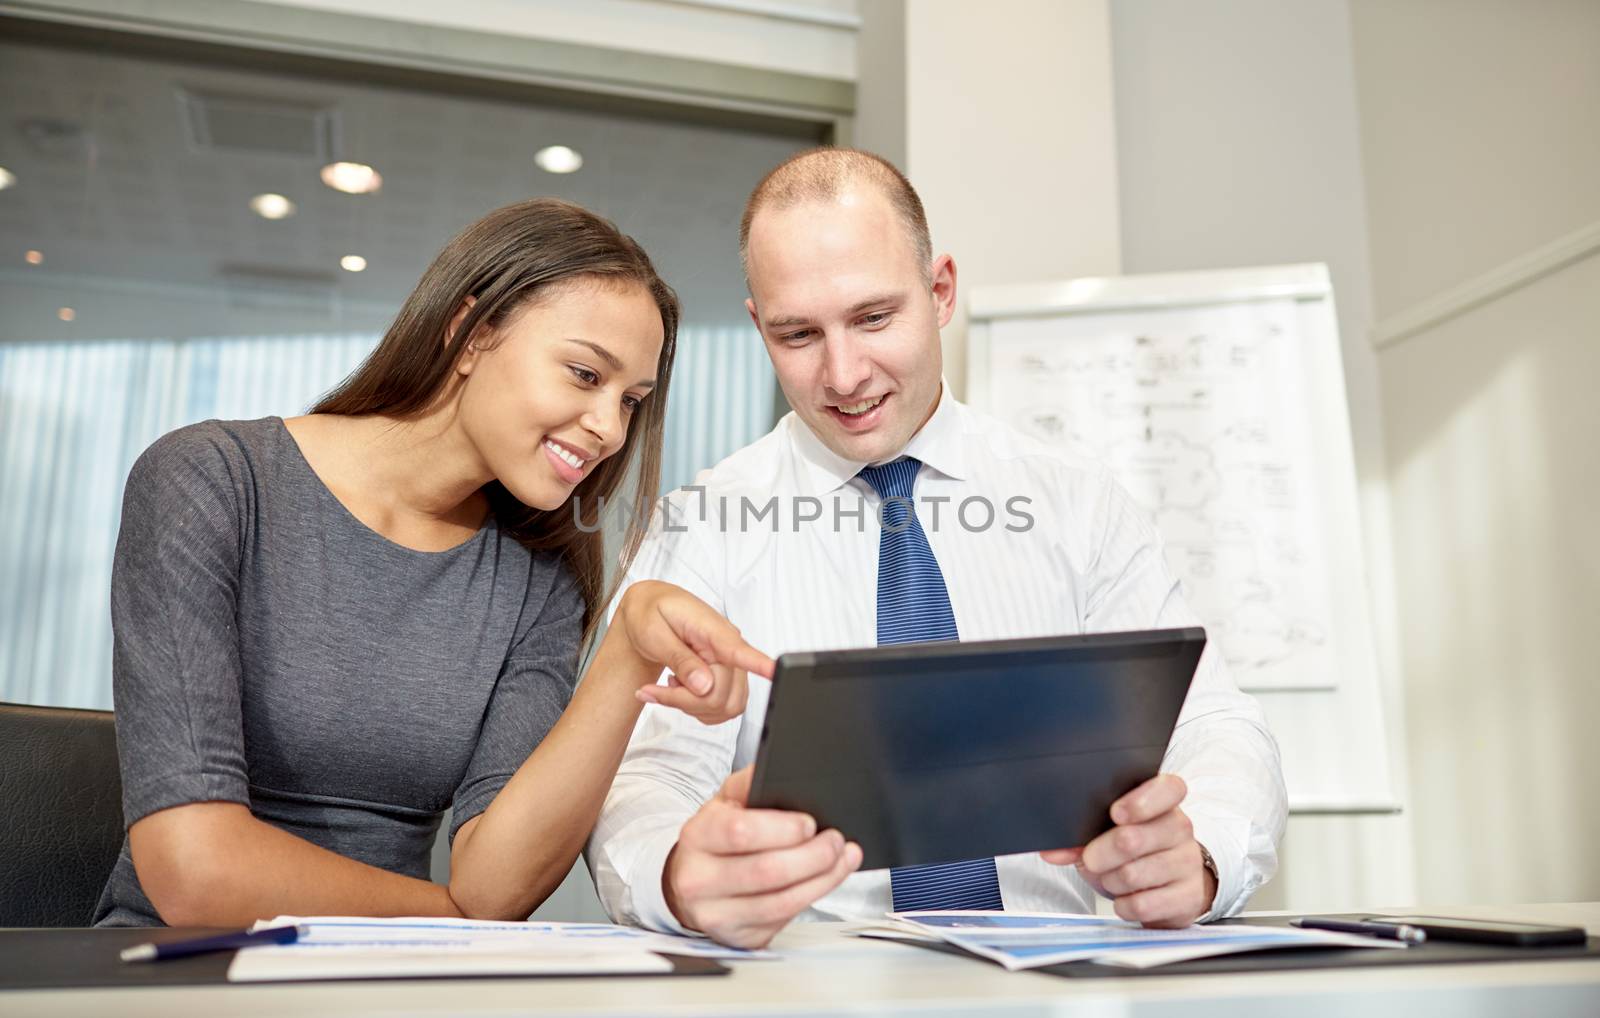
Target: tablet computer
x,y
938,752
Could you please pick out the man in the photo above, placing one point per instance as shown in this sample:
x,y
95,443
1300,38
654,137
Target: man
x,y
1004,538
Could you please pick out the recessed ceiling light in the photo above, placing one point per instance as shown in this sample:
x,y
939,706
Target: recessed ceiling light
x,y
34,257
7,178
66,314
558,159
352,178
353,263
272,206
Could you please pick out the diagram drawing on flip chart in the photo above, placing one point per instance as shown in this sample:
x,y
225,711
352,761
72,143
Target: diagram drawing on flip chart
x,y
1216,399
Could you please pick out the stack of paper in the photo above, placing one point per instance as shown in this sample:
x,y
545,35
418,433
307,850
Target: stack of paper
x,y
352,947
1023,940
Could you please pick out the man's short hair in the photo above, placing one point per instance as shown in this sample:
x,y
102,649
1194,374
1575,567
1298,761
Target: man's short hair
x,y
821,174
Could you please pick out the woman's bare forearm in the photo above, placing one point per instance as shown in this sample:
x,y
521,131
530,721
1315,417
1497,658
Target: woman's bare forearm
x,y
509,859
214,864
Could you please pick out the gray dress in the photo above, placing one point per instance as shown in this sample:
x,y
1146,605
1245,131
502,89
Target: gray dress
x,y
272,650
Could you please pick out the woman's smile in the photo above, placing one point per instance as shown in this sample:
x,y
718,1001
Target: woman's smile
x,y
569,463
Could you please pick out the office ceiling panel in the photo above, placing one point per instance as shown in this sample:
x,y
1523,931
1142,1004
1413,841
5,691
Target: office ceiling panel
x,y
134,177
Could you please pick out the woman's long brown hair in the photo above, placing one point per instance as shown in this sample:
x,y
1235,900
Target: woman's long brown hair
x,y
504,261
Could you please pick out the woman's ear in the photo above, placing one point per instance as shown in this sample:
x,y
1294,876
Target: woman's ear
x,y
469,356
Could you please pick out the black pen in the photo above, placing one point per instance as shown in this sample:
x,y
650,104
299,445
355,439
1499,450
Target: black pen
x,y
203,945
1388,931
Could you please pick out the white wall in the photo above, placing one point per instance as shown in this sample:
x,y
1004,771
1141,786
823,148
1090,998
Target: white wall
x,y
1478,134
1008,136
880,122
1496,489
1479,143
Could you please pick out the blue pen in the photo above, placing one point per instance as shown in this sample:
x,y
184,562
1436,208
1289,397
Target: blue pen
x,y
203,945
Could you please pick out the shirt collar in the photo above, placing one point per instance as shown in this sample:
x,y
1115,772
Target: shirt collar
x,y
938,444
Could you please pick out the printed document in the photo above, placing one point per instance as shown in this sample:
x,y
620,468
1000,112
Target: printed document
x,y
356,947
1023,940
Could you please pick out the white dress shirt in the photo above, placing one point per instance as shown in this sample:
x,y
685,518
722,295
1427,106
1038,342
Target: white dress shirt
x,y
1066,552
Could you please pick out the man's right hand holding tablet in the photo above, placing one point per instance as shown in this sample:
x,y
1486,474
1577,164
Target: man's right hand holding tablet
x,y
739,875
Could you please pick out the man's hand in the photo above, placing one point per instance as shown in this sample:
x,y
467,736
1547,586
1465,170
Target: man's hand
x,y
1149,863
739,875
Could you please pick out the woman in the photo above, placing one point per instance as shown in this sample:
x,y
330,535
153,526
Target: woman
x,y
330,629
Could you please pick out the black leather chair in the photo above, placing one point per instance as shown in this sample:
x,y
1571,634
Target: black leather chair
x,y
60,813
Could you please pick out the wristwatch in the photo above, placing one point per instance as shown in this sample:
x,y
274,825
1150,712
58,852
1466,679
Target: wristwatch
x,y
1210,864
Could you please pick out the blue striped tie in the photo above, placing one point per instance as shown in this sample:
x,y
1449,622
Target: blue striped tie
x,y
914,607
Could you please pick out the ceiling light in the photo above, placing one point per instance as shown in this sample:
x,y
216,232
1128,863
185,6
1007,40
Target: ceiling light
x,y
352,178
272,206
558,159
34,257
352,263
7,178
66,314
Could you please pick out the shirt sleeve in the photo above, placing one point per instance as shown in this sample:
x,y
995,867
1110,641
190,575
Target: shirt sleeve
x,y
533,688
673,764
1221,746
176,675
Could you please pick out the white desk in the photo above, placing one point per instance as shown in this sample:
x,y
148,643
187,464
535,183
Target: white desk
x,y
825,972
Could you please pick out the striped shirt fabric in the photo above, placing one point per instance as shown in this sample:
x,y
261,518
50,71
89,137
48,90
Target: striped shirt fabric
x,y
783,538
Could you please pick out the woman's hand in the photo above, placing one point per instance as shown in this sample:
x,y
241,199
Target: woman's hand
x,y
669,626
